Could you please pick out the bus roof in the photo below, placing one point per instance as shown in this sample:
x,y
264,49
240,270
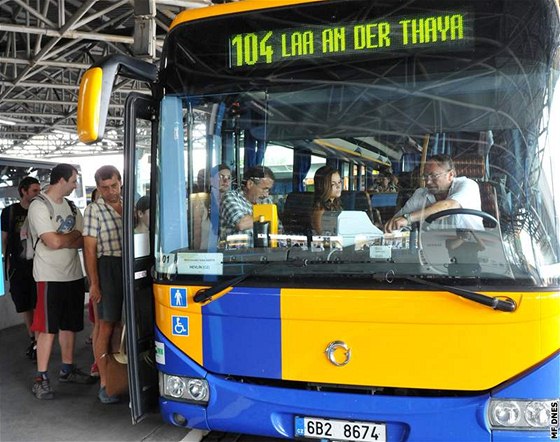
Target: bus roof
x,y
232,8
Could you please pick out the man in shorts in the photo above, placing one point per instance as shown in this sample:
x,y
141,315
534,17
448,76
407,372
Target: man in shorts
x,y
103,231
19,269
57,235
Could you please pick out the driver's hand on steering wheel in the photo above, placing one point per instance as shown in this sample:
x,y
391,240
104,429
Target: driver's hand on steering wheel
x,y
395,223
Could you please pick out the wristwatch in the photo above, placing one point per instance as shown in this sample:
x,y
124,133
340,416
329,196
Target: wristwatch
x,y
407,217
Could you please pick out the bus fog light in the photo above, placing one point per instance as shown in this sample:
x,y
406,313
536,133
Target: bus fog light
x,y
537,414
179,420
198,389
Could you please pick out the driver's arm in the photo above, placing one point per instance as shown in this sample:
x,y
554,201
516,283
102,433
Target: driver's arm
x,y
438,206
398,222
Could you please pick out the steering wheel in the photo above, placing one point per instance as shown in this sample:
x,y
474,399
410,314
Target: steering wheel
x,y
485,216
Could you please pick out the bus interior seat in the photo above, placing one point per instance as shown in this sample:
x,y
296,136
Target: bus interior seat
x,y
296,217
385,203
357,200
474,167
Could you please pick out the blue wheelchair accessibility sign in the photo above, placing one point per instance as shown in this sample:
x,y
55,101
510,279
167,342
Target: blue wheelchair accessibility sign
x,y
180,326
178,297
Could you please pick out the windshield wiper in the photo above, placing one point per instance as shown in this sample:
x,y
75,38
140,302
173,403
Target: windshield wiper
x,y
504,305
205,294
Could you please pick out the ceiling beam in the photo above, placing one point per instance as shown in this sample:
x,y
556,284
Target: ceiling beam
x,y
59,64
68,34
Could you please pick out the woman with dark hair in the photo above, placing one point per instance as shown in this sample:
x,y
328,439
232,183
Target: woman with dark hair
x,y
328,188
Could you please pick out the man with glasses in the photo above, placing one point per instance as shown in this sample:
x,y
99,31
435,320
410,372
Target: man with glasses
x,y
224,179
236,214
443,190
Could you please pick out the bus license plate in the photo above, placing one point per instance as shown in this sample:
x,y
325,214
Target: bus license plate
x,y
340,430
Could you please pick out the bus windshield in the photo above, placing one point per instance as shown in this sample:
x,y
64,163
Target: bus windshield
x,y
485,104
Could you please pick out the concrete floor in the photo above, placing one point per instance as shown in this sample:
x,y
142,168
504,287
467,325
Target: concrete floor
x,y
75,414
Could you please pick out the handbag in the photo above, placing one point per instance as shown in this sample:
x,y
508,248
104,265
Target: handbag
x,y
114,365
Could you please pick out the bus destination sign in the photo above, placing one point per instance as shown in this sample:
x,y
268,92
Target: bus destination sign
x,y
446,31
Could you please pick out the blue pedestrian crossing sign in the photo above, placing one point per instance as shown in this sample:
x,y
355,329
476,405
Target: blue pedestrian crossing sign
x,y
180,325
178,297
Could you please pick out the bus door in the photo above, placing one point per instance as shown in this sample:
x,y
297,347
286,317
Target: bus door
x,y
140,124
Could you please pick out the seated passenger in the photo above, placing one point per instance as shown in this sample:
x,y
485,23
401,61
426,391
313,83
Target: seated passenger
x,y
328,188
142,215
394,182
236,212
221,181
205,227
385,184
442,191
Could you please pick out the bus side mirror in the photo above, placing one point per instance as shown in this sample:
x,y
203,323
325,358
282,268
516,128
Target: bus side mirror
x,y
90,129
96,88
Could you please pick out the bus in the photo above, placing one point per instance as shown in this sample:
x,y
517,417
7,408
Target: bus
x,y
431,334
13,170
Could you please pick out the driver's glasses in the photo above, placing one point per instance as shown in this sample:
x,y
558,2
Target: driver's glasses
x,y
434,176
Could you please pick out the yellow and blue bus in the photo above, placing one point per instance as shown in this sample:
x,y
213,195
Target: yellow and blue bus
x,y
433,334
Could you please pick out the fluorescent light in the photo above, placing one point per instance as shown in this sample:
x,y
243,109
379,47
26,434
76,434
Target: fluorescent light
x,y
8,122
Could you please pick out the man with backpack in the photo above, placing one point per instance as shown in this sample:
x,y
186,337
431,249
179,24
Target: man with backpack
x,y
55,229
18,268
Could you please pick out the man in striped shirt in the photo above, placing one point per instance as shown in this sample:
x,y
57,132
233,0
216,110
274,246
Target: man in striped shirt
x,y
103,230
236,213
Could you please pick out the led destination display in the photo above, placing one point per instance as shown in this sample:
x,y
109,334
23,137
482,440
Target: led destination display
x,y
445,31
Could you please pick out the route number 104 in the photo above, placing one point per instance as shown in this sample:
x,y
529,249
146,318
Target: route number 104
x,y
250,49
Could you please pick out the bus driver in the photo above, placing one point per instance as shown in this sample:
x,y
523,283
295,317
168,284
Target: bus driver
x,y
443,190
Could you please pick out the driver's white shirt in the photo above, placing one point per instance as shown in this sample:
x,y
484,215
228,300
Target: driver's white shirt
x,y
463,190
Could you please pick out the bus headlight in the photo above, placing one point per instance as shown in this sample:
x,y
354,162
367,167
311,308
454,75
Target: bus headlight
x,y
198,389
519,415
183,388
537,414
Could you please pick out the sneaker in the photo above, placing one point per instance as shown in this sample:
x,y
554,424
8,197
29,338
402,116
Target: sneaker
x,y
76,376
94,371
42,388
31,351
105,398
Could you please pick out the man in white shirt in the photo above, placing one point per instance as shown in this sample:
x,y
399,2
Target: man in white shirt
x,y
56,231
443,191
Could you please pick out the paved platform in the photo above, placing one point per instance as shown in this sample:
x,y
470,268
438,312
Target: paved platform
x,y
75,414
